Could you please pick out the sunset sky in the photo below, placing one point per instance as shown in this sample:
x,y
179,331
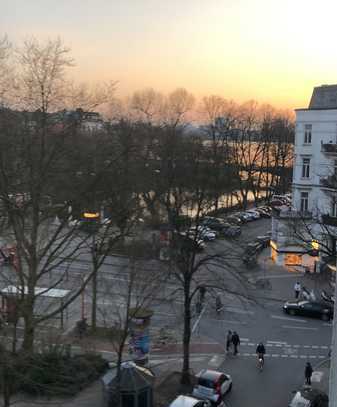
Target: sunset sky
x,y
269,50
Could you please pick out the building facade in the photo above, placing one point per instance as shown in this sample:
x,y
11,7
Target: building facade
x,y
305,234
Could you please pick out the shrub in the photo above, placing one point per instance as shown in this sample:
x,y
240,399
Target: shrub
x,y
55,374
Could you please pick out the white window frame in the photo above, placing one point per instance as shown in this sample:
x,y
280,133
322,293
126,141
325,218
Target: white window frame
x,y
304,201
334,207
305,167
307,133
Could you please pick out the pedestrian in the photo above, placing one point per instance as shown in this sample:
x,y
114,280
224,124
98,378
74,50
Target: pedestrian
x,y
297,289
228,340
308,373
236,342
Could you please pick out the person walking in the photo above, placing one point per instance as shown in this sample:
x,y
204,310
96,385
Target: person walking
x,y
297,289
236,342
228,340
308,373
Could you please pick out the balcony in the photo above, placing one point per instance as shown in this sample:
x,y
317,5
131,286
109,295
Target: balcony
x,y
329,220
291,214
329,148
328,182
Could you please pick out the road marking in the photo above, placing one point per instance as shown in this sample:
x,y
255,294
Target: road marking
x,y
281,343
324,347
275,355
303,356
288,318
198,319
327,324
227,321
299,327
239,311
314,347
216,361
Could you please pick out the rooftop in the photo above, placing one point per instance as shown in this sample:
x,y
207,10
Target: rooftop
x,y
324,97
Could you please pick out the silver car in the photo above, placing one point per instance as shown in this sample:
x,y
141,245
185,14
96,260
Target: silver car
x,y
188,401
212,385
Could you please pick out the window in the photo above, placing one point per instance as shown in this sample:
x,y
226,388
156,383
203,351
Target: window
x,y
334,208
304,201
307,134
306,168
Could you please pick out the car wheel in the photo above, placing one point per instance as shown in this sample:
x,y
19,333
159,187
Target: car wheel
x,y
292,312
325,317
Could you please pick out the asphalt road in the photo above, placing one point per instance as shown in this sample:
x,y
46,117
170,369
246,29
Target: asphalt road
x,y
290,341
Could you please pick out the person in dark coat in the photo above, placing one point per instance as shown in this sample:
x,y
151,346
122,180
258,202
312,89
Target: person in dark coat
x,y
308,373
235,341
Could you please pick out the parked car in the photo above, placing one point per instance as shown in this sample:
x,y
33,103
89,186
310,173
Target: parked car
x,y
264,213
188,401
254,213
312,309
217,224
233,220
212,385
244,217
330,298
202,232
231,231
264,240
253,248
309,397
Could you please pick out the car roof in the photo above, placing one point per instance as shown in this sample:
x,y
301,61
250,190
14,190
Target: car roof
x,y
184,401
304,396
208,374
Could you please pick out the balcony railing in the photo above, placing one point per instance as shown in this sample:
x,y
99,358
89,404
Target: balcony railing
x,y
329,148
329,182
292,214
329,220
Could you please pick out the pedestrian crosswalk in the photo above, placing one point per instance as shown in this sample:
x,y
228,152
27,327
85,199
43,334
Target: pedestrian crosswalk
x,y
282,349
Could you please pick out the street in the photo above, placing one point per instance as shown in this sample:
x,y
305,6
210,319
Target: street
x,y
256,315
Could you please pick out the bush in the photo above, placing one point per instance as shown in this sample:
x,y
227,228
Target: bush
x,y
55,374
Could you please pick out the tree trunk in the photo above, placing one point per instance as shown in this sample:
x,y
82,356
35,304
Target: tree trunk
x,y
94,301
29,330
187,337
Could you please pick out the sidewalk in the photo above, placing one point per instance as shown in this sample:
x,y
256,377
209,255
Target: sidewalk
x,y
280,281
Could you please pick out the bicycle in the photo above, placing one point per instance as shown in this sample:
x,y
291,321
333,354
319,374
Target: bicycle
x,y
260,362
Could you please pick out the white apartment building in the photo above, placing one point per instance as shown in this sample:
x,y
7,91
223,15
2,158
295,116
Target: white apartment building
x,y
312,219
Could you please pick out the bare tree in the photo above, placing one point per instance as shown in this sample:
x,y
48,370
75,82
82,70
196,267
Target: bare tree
x,y
148,103
36,152
132,298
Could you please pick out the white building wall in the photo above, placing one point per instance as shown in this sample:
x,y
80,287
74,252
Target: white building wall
x,y
324,131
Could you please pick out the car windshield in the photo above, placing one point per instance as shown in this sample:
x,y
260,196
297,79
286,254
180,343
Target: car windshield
x,y
205,383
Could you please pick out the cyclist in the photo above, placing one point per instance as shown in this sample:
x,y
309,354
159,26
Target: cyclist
x,y
260,351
